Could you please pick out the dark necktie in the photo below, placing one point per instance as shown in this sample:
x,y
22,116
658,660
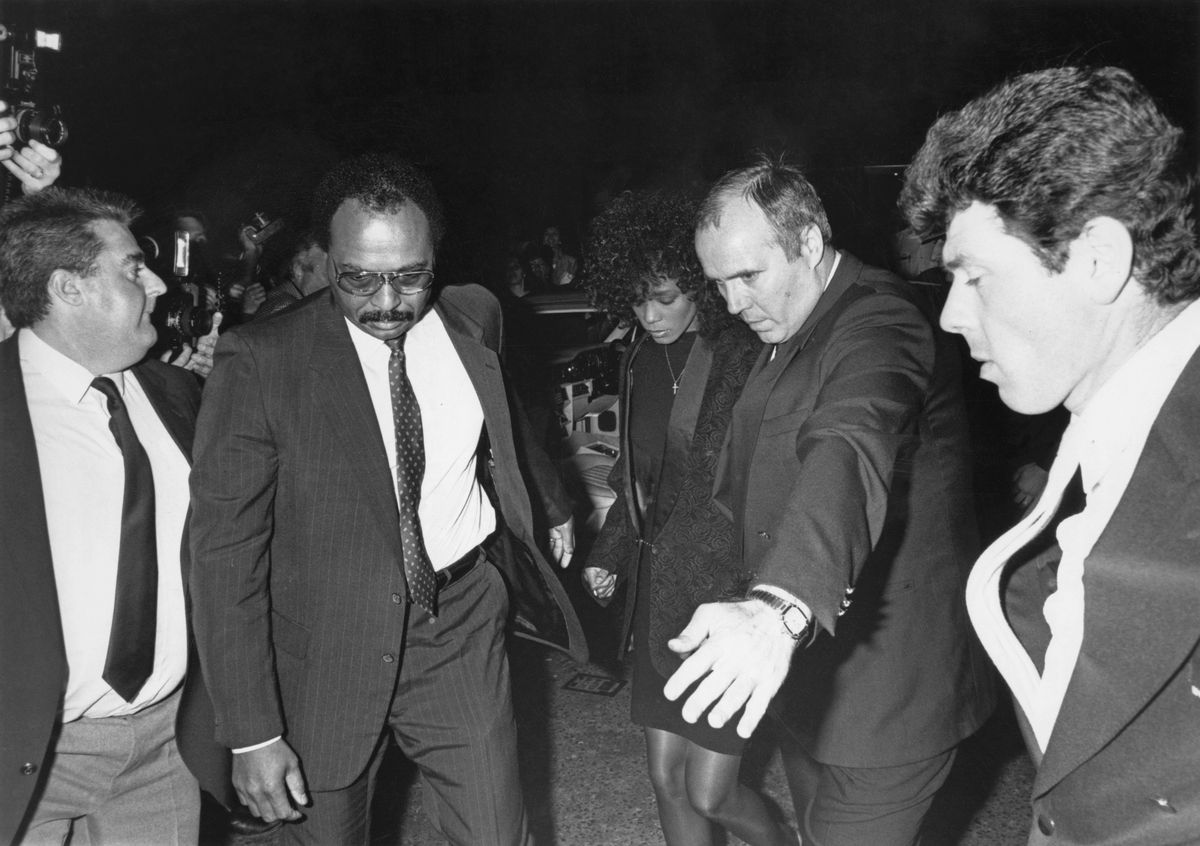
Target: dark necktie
x,y
130,657
410,470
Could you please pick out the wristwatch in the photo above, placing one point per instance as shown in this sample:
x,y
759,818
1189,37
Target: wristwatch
x,y
795,621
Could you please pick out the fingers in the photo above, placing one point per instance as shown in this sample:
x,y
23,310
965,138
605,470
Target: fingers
x,y
265,779
735,696
181,359
36,166
756,709
295,785
600,582
696,665
562,544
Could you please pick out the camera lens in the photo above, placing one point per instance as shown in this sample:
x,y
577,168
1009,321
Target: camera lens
x,y
36,125
201,323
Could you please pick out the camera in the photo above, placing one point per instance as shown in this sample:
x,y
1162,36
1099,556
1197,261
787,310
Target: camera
x,y
18,87
177,316
259,229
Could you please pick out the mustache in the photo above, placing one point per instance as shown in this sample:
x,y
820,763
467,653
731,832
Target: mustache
x,y
391,316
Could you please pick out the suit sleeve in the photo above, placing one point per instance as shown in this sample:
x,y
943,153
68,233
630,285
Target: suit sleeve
x,y
233,483
872,379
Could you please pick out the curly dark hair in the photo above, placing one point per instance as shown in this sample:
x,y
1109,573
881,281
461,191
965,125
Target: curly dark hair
x,y
1053,149
641,238
47,231
382,183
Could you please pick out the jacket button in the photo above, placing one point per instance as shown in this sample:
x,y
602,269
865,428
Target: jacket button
x,y
397,599
1045,824
28,768
845,603
389,658
765,535
1165,804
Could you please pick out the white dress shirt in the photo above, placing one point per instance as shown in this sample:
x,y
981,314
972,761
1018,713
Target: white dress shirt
x,y
455,512
83,484
1104,441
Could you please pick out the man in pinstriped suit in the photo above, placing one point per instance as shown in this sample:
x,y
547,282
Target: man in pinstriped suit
x,y
307,626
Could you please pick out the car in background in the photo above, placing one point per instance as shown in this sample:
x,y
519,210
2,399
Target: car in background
x,y
563,357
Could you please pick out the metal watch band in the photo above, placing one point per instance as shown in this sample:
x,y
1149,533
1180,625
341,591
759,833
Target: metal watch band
x,y
794,629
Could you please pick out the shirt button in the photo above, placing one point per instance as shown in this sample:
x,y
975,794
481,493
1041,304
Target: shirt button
x,y
765,535
28,768
1165,804
1045,824
397,599
389,658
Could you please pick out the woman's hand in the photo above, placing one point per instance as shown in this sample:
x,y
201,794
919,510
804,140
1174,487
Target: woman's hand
x,y
600,582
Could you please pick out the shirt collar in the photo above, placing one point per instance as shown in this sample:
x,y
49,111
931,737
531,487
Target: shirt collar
x,y
837,259
68,377
1119,415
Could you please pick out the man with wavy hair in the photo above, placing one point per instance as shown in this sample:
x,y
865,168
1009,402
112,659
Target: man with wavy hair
x,y
1066,201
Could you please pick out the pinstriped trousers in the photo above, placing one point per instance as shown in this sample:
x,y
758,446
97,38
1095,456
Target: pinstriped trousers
x,y
452,716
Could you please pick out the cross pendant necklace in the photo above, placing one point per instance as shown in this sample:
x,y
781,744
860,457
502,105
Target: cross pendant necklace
x,y
671,370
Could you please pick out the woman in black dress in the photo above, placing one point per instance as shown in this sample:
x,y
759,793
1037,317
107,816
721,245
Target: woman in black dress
x,y
679,380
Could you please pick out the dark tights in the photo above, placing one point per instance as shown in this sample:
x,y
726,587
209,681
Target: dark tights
x,y
697,787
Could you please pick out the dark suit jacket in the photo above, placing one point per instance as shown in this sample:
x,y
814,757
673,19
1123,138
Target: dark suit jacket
x,y
688,543
298,581
847,476
1123,763
33,666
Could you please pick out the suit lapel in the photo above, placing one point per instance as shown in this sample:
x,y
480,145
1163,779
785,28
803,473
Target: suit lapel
x,y
176,414
633,506
23,532
1140,620
848,271
681,427
339,389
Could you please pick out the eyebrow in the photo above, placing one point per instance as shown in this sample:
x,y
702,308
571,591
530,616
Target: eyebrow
x,y
134,258
736,274
407,268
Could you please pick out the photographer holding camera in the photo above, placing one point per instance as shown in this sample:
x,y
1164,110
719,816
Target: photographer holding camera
x,y
34,165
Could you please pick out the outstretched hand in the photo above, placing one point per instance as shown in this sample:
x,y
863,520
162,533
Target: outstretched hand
x,y
739,653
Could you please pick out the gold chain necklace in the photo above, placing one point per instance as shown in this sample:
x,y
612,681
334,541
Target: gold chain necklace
x,y
671,370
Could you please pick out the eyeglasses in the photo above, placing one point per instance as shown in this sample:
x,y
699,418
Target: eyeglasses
x,y
364,283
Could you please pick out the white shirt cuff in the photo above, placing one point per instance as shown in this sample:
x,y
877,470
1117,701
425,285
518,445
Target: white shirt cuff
x,y
257,746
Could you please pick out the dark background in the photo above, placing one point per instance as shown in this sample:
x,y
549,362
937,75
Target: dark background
x,y
529,114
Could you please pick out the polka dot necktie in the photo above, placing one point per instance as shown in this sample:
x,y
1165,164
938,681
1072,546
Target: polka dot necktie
x,y
410,470
130,658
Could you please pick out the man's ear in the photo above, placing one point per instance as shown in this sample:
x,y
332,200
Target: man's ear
x,y
66,287
1106,247
812,245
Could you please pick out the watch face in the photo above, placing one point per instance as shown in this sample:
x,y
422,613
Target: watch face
x,y
794,622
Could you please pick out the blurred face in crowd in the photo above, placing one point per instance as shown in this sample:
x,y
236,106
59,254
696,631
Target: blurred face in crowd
x,y
771,293
1033,330
537,266
365,240
110,324
551,238
308,270
667,312
193,227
